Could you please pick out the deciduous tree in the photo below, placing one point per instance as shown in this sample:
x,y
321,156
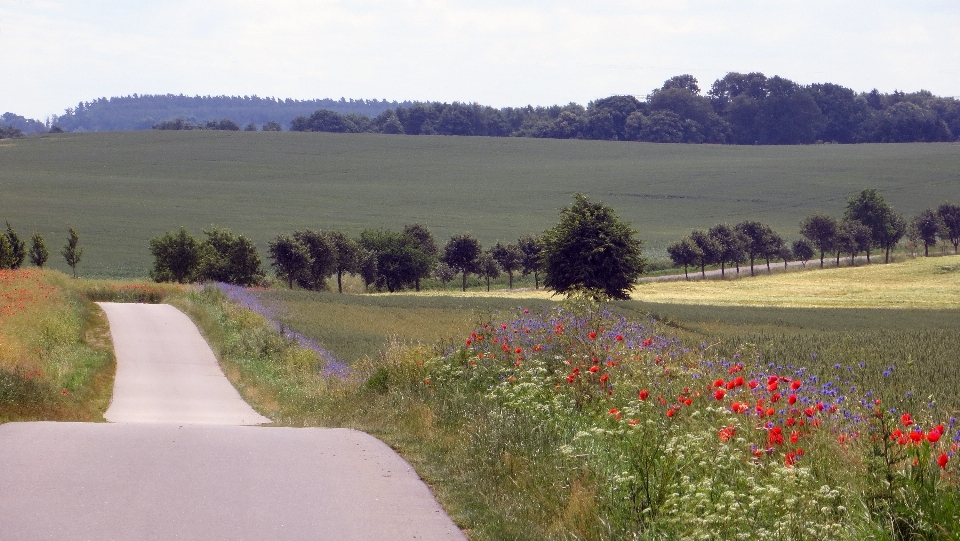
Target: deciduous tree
x,y
950,215
290,258
72,252
802,250
509,257
230,258
176,257
462,253
488,268
591,251
929,227
820,230
346,254
532,248
38,251
686,253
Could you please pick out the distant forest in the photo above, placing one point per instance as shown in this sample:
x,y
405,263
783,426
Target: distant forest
x,y
143,112
738,109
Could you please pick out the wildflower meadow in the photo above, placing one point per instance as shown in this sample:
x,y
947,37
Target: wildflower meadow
x,y
681,444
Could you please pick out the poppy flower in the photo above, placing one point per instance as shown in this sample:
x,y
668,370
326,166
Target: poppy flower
x,y
594,369
753,384
727,433
719,394
643,394
906,419
792,399
942,461
933,437
718,383
916,436
604,378
671,412
592,335
796,384
775,397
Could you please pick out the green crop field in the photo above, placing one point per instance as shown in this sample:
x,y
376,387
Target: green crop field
x,y
121,189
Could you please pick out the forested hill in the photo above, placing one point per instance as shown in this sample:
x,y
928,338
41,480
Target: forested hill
x,y
142,112
739,108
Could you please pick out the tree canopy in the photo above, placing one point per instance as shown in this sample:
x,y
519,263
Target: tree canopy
x,y
591,251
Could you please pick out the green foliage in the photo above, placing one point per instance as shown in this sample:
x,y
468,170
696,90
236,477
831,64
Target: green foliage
x,y
509,257
6,253
929,227
72,252
487,267
396,260
531,247
347,255
802,250
18,248
685,253
462,254
950,215
821,231
886,226
290,258
225,257
176,257
38,250
591,251
731,246
321,262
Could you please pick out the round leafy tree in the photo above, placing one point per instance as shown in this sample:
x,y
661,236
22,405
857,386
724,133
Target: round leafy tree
x,y
592,252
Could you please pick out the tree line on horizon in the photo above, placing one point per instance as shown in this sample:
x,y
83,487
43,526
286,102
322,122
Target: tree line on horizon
x,y
738,108
868,222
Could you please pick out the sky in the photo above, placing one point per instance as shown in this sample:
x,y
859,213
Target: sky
x,y
54,54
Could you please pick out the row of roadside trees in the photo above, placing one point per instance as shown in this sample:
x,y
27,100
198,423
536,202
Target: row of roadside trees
x,y
13,250
589,250
868,223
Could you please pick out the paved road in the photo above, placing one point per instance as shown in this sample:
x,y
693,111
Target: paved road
x,y
176,464
166,372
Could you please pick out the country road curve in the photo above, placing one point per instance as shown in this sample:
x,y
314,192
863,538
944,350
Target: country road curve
x,y
176,462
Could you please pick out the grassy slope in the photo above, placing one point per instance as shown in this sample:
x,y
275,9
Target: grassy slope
x,y
121,189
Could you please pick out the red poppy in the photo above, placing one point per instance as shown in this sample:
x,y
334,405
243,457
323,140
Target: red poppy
x,y
916,436
719,394
906,419
942,461
727,433
796,384
619,338
643,394
753,384
775,397
671,412
718,383
792,400
933,437
772,386
592,335
594,368
604,378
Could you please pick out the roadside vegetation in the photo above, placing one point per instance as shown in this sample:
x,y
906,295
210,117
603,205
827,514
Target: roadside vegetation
x,y
526,446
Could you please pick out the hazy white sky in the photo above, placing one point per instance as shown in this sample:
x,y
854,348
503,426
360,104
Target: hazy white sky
x,y
54,53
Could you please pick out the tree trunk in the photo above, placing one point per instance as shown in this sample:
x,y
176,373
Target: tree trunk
x,y
751,265
488,283
887,258
685,275
340,282
416,285
510,274
290,281
926,250
821,259
464,280
722,269
838,259
703,270
536,280
868,255
768,266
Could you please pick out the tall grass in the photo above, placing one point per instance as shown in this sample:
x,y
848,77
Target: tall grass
x,y
56,360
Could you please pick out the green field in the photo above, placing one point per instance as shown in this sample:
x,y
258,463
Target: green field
x,y
121,189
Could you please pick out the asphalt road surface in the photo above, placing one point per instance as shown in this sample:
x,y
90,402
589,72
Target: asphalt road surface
x,y
176,462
